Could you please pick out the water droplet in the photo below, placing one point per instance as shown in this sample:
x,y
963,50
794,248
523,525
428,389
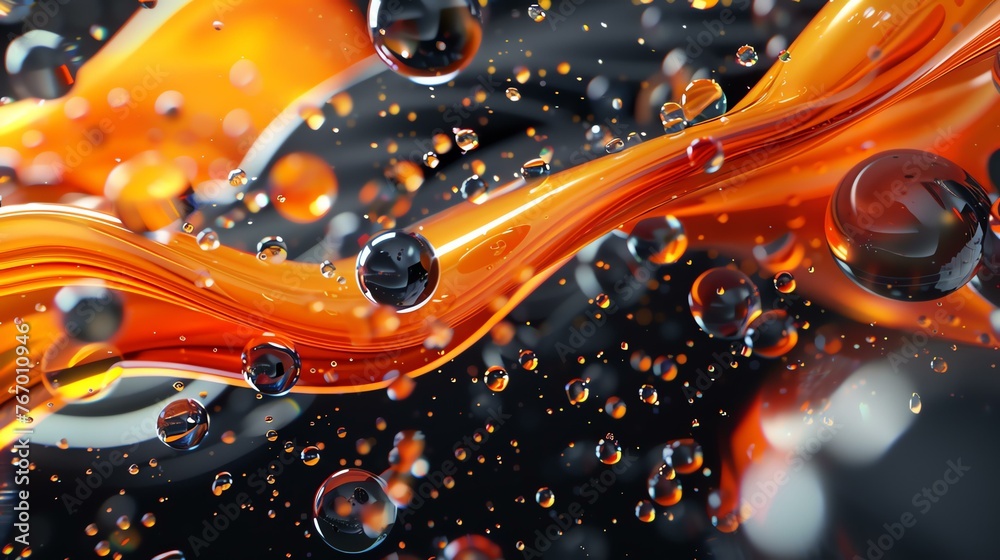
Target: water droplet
x,y
399,269
271,365
473,188
644,511
178,385
208,240
609,451
90,530
577,391
746,56
615,408
537,167
513,94
528,360
939,365
431,160
784,56
658,240
41,64
309,455
772,334
648,395
223,481
133,469
536,13
466,139
237,177
706,153
614,145
148,520
602,301
327,269
352,512
784,282
915,405
672,118
272,250
428,42
683,455
271,435
496,378
939,217
545,497
703,100
90,313
182,424
726,314
664,487
188,227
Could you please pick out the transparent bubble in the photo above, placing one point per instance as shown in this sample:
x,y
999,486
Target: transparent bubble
x,y
939,365
223,481
327,269
784,282
182,424
772,334
472,547
614,145
496,378
908,225
208,240
272,250
723,301
90,313
271,365
615,407
683,455
703,100
577,391
672,118
648,395
466,139
528,360
399,269
665,368
658,240
545,497
706,153
352,512
746,56
784,56
915,405
237,177
310,455
609,451
427,41
431,160
473,188
271,435
536,13
534,168
513,94
644,511
664,487
41,64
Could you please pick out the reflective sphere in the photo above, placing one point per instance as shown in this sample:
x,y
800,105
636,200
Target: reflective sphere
x,y
399,269
908,225
658,240
41,64
723,302
352,512
182,424
271,365
472,547
427,41
683,455
772,334
90,313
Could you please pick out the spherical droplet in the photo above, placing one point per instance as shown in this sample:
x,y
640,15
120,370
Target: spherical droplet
x,y
309,455
496,378
327,269
271,365
577,391
271,435
304,186
545,497
471,547
664,487
532,168
915,404
466,139
614,145
536,13
352,512
528,360
683,455
513,94
431,160
207,239
702,100
223,481
746,56
237,177
784,282
772,334
672,118
272,250
908,225
784,56
427,41
602,301
182,424
399,269
473,188
609,451
706,153
723,301
615,408
939,365
658,240
41,64
644,511
90,313
648,395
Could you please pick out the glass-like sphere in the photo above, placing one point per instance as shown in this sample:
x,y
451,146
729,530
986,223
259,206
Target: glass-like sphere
x,y
352,512
271,365
399,269
723,302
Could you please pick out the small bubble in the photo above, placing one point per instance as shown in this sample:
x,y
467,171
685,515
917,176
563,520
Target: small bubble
x,y
648,394
784,56
577,391
614,145
208,240
534,168
915,405
528,360
536,13
272,249
431,160
496,379
327,269
237,177
545,497
223,481
513,94
939,365
602,301
310,455
784,282
466,139
746,56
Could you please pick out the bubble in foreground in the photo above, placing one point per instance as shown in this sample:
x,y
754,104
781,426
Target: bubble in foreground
x,y
772,334
723,301
609,451
644,511
545,497
13,11
706,153
908,225
399,269
528,359
427,41
658,240
784,282
352,512
746,56
672,118
90,313
271,365
577,391
472,547
664,487
40,65
683,455
272,250
496,378
303,186
223,481
182,424
702,100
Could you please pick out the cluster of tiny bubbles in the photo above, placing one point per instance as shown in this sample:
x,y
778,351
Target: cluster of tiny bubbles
x,y
90,313
663,486
352,512
513,94
723,302
536,13
327,269
939,365
271,365
545,497
223,481
473,188
496,378
309,455
784,282
672,118
648,395
746,56
41,64
207,239
609,451
466,139
272,249
703,100
237,177
615,408
683,455
426,41
528,360
915,405
472,547
182,424
707,153
940,218
644,511
577,391
657,240
533,168
399,269
772,334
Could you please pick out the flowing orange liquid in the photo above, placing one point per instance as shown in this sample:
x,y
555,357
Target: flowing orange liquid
x,y
857,84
